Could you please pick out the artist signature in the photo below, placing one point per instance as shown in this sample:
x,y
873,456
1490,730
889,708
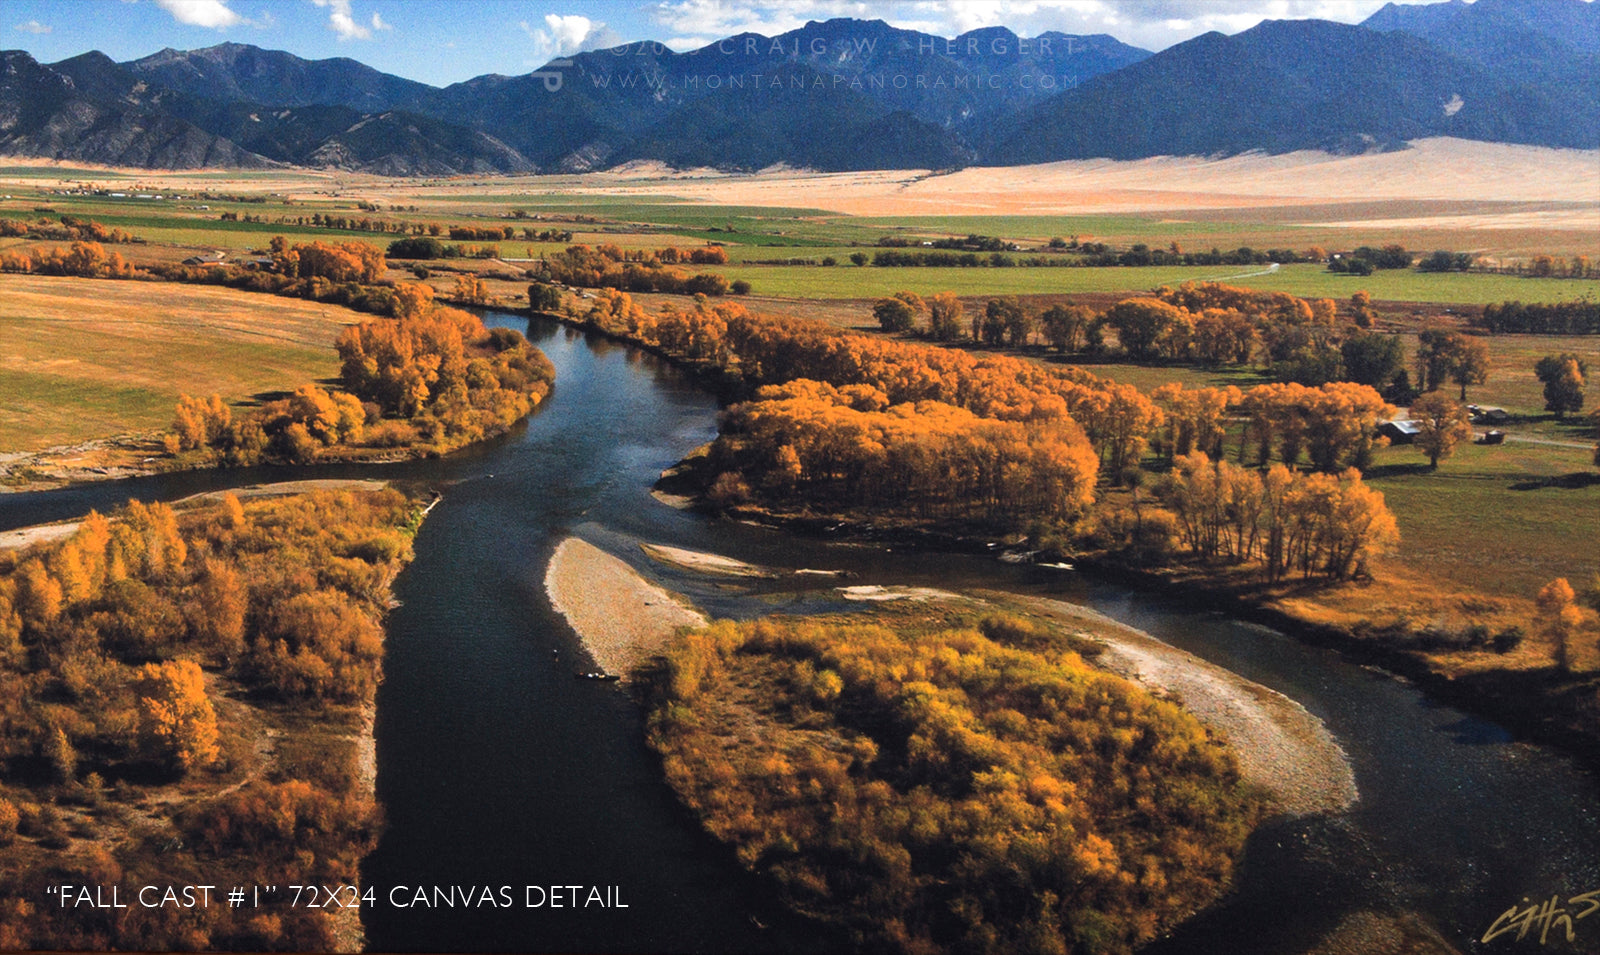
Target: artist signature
x,y
1547,915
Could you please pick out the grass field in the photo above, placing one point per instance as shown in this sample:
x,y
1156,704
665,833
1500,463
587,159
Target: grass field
x,y
1492,518
83,359
848,281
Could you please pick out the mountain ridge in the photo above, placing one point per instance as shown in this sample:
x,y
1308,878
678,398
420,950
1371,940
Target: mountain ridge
x,y
840,94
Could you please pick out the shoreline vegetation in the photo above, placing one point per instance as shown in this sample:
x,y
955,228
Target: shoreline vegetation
x,y
762,724
421,380
1527,664
190,690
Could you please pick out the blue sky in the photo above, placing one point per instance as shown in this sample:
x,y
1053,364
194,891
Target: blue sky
x,y
446,41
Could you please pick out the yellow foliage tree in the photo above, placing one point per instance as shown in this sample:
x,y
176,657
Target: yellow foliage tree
x,y
177,724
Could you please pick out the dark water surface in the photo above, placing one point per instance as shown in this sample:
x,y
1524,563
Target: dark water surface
x,y
496,767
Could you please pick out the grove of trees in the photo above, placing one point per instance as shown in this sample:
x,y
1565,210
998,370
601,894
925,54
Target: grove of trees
x,y
163,650
1328,525
431,380
848,422
979,789
1561,318
635,270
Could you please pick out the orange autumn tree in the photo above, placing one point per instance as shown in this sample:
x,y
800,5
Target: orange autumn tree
x,y
177,725
1320,525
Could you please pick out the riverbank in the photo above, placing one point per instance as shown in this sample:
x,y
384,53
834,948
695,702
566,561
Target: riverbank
x,y
22,537
141,455
265,406
1281,747
622,619
1401,622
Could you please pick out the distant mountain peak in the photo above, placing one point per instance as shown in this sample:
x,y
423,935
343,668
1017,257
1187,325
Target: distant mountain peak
x,y
838,94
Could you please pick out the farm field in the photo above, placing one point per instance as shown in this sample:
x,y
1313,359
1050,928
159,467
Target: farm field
x,y
1500,519
83,358
1313,281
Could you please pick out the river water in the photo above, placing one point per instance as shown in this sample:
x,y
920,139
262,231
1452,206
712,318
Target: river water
x,y
496,767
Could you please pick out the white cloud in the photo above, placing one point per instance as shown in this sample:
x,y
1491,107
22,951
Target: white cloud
x,y
565,35
32,26
342,20
212,14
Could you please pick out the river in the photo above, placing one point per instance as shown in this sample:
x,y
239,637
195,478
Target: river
x,y
497,767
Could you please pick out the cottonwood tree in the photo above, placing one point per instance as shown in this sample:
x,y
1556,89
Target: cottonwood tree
x,y
1560,619
1444,355
1442,424
894,315
177,724
1563,376
944,317
1065,325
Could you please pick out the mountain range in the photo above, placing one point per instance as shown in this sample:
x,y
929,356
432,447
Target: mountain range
x,y
840,95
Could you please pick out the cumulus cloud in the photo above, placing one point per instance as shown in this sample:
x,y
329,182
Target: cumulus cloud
x,y
212,14
32,26
1154,24
565,35
342,21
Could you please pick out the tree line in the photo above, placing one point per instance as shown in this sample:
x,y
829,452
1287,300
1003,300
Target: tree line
x,y
1581,317
321,220
637,270
65,228
842,421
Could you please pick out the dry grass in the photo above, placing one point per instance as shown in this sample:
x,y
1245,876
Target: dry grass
x,y
83,359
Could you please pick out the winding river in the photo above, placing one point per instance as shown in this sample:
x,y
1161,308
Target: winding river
x,y
497,767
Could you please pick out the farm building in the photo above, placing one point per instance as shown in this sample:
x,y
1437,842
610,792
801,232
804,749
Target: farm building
x,y
1402,431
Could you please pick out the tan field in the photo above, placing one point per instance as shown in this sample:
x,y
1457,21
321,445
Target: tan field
x,y
85,358
1432,171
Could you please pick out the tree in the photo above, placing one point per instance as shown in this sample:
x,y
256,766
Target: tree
x,y
1563,376
1001,316
1361,308
1469,363
944,317
858,258
914,300
177,724
1373,360
1064,326
543,297
412,299
1559,618
1147,326
894,315
1442,424
1444,355
471,289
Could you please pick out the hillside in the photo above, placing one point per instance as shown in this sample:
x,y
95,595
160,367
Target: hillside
x,y
1272,88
